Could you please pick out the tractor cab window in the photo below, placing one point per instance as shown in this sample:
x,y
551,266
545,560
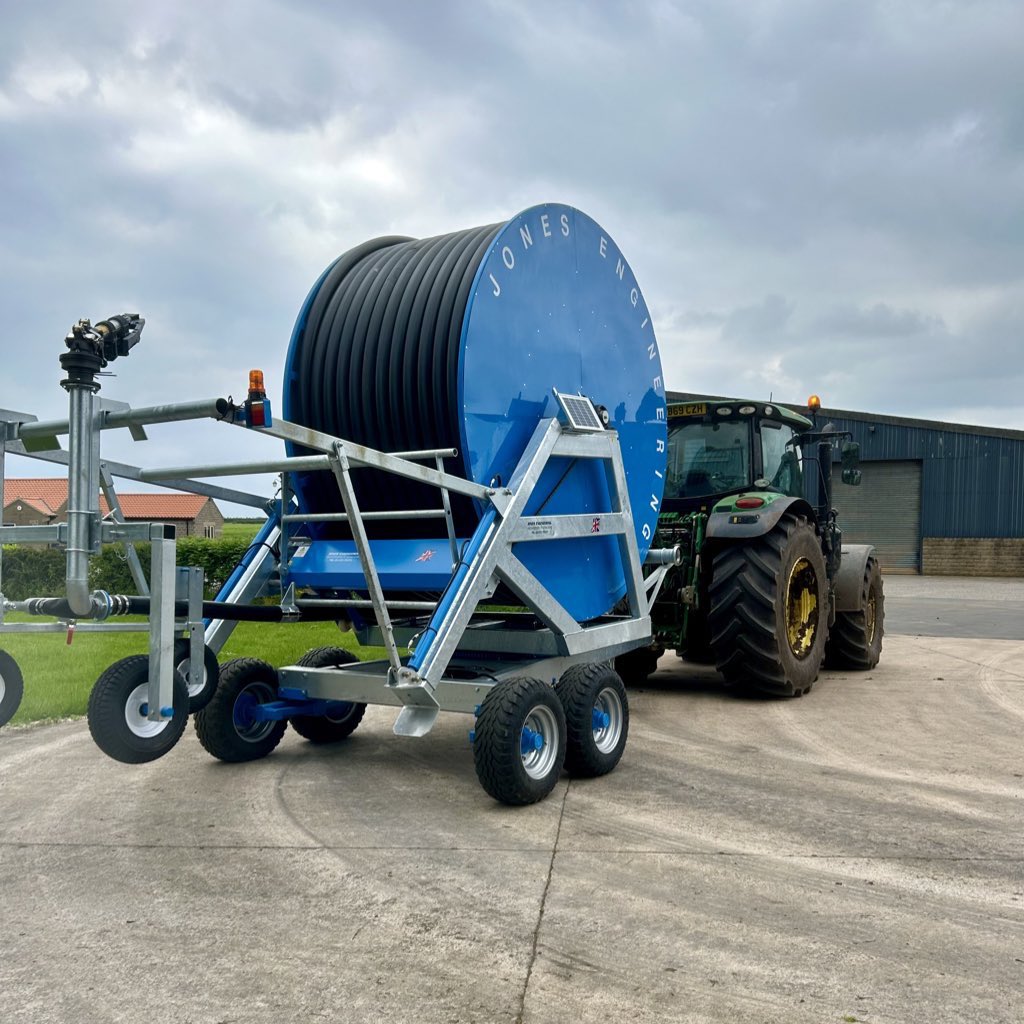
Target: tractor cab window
x,y
781,465
707,458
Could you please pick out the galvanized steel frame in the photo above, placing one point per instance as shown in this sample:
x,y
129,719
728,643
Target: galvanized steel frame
x,y
418,684
85,531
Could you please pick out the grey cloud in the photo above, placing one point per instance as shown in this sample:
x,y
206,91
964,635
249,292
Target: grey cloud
x,y
810,194
879,321
764,320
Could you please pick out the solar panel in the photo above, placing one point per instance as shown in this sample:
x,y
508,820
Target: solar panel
x,y
580,412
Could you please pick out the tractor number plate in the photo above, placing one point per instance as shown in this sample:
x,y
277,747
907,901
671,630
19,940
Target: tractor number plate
x,y
692,409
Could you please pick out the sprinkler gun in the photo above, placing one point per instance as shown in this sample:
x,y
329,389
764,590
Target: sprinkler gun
x,y
108,339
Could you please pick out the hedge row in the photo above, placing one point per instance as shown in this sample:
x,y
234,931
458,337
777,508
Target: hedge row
x,y
39,572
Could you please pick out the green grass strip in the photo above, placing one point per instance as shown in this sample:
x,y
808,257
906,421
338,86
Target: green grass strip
x,y
58,678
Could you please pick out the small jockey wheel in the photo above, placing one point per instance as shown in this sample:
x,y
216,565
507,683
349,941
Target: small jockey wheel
x,y
118,713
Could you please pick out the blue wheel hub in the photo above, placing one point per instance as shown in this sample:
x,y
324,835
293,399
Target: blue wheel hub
x,y
530,740
250,724
244,710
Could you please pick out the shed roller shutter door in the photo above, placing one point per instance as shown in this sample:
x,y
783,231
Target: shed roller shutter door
x,y
885,510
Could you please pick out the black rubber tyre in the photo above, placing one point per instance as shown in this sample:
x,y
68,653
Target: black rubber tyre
x,y
199,694
118,708
769,610
635,666
225,726
513,714
12,687
339,724
596,719
856,637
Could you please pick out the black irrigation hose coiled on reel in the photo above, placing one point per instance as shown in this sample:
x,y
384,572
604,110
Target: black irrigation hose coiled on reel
x,y
377,363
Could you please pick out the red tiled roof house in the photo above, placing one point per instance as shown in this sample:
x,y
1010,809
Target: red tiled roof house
x,y
40,501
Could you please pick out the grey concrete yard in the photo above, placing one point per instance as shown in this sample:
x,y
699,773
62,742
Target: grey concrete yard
x,y
853,855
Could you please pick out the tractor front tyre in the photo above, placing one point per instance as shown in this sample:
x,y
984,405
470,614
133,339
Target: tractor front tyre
x,y
341,721
596,717
519,741
229,727
769,610
12,687
118,713
855,641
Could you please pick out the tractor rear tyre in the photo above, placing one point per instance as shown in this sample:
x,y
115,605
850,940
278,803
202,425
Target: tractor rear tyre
x,y
227,726
769,610
12,687
118,713
519,741
344,717
855,641
596,717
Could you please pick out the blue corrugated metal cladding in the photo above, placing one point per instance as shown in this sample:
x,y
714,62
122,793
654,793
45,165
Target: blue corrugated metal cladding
x,y
972,482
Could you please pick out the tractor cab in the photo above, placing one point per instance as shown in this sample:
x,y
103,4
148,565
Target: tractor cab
x,y
763,584
720,448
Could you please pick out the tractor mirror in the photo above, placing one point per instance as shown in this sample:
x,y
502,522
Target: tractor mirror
x,y
850,453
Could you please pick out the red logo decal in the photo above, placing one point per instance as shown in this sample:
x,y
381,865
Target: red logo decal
x,y
596,528
426,556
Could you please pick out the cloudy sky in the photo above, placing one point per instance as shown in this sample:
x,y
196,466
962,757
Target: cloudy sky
x,y
815,195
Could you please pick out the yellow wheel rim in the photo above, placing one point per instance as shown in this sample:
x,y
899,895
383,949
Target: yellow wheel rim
x,y
802,608
870,620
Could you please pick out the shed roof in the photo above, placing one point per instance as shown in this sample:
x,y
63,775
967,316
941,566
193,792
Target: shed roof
x,y
868,417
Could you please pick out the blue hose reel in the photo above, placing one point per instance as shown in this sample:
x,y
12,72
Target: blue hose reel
x,y
459,341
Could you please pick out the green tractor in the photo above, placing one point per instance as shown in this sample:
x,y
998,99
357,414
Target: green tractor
x,y
764,588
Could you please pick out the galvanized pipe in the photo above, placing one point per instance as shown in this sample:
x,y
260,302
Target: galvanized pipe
x,y
310,438
341,517
301,463
305,463
129,472
215,408
446,503
664,556
420,606
83,506
427,453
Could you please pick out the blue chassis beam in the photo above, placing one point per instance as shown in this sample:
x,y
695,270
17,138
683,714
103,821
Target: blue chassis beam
x,y
292,703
